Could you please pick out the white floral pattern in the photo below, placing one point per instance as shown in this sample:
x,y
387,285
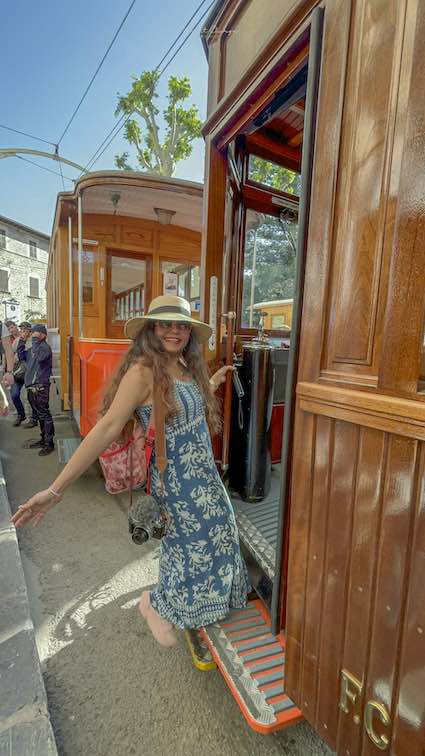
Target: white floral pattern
x,y
202,574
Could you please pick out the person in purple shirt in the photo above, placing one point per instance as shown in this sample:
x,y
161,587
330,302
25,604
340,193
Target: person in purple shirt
x,y
37,382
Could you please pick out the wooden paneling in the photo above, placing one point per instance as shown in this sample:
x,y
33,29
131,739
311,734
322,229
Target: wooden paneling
x,y
140,237
400,366
360,256
181,242
357,535
356,515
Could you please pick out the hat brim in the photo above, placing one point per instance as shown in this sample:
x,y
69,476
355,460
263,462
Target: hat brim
x,y
134,325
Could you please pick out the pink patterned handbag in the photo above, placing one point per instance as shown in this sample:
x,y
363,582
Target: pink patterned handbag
x,y
125,464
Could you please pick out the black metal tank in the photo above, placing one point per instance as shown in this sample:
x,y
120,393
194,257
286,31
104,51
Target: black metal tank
x,y
249,458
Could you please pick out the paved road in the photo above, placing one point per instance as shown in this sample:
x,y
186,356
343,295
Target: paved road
x,y
111,690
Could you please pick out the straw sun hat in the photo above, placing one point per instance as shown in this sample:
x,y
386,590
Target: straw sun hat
x,y
174,309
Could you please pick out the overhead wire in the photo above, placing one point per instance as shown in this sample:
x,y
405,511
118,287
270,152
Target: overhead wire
x,y
24,133
60,168
97,71
124,119
43,168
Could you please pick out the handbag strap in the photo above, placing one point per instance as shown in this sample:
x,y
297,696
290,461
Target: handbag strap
x,y
155,435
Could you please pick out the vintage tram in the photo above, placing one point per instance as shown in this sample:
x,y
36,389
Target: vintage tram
x,y
314,197
118,240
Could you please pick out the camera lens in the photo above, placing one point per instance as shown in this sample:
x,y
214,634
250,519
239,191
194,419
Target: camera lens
x,y
139,535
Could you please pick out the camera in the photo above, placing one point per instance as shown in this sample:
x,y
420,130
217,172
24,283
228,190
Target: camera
x,y
146,520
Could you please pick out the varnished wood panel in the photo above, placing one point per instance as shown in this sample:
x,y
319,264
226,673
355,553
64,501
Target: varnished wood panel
x,y
138,236
357,523
367,511
409,726
370,107
404,323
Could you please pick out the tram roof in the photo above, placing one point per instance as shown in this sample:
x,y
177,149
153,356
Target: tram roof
x,y
134,194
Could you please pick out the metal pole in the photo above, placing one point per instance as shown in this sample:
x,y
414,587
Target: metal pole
x,y
71,278
254,265
80,265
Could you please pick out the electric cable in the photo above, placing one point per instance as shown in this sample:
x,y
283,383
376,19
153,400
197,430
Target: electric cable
x,y
124,119
24,133
43,168
96,72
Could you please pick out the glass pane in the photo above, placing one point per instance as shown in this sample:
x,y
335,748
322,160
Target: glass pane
x,y
87,260
269,271
128,280
270,174
182,280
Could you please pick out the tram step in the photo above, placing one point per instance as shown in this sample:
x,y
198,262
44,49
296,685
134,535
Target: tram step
x,y
252,661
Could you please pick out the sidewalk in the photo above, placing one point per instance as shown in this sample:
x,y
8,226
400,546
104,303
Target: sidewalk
x,y
25,728
112,691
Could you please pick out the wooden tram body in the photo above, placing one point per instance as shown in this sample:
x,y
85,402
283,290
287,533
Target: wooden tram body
x,y
334,91
118,240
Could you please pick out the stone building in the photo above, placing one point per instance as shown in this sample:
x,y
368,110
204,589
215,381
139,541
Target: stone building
x,y
24,255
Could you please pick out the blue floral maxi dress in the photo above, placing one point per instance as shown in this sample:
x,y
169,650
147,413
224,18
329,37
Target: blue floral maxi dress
x,y
202,574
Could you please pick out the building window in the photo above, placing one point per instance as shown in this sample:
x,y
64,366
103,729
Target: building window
x,y
33,250
2,238
4,279
34,287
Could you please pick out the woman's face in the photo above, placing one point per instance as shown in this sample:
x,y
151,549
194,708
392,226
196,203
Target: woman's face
x,y
173,336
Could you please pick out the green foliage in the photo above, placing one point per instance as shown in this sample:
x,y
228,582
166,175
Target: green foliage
x,y
273,244
182,125
271,174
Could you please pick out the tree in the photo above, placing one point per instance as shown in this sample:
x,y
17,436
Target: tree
x,y
182,125
271,174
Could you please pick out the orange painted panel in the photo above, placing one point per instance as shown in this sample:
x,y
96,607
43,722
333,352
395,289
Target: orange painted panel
x,y
98,360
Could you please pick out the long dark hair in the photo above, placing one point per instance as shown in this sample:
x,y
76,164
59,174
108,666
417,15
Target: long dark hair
x,y
147,350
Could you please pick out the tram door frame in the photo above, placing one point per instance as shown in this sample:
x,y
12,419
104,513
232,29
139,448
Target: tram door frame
x,y
232,260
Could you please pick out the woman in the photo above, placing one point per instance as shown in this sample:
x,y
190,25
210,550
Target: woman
x,y
202,574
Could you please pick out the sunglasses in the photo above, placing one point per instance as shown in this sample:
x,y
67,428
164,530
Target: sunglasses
x,y
166,325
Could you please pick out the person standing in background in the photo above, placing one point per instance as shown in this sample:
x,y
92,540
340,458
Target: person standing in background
x,y
37,382
21,345
8,352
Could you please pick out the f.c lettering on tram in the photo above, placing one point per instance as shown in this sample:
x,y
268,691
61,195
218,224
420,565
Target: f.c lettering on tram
x,y
376,719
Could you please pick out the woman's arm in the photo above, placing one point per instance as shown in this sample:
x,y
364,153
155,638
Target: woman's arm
x,y
134,389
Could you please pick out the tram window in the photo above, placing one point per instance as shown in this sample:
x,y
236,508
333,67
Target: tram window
x,y
87,260
268,271
128,283
182,280
271,174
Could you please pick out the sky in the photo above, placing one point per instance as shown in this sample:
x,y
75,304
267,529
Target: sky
x,y
50,50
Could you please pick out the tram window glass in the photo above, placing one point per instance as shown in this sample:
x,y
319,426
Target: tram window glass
x,y
182,280
268,271
128,286
271,174
87,261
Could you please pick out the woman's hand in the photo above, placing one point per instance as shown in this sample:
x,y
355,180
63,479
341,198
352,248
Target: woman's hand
x,y
220,376
34,509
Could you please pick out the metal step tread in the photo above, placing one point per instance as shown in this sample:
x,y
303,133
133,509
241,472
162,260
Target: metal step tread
x,y
258,526
252,661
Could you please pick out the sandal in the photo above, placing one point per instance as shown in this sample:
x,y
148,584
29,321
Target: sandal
x,y
161,629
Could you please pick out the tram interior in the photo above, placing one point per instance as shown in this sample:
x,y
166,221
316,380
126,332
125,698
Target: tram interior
x,y
269,156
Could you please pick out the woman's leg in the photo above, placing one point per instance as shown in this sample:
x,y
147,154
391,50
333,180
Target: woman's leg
x,y
161,629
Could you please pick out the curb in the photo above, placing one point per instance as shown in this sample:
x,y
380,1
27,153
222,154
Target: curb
x,y
25,728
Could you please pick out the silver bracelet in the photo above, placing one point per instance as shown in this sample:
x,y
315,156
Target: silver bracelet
x,y
55,493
